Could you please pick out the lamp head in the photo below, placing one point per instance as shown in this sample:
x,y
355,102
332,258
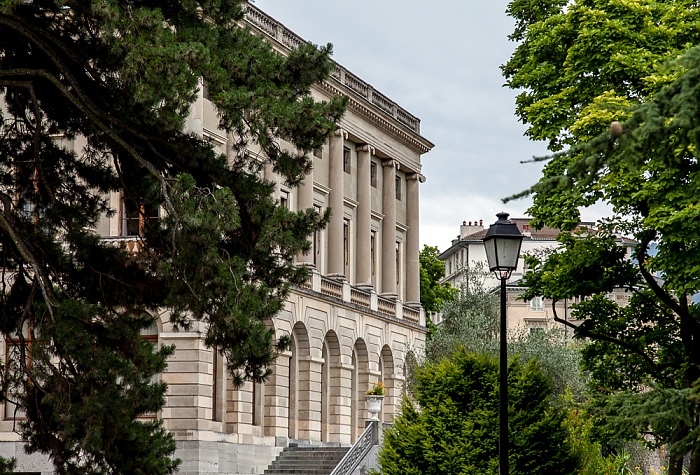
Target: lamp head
x,y
502,244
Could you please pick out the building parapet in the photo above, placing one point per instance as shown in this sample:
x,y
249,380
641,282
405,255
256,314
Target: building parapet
x,y
287,38
366,299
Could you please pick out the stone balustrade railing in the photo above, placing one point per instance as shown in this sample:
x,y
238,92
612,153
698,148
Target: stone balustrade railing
x,y
129,243
289,39
359,450
362,297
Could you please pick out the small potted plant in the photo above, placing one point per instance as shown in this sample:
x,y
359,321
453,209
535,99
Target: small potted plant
x,y
375,395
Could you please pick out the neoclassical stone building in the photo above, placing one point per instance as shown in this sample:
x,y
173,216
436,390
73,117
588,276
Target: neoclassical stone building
x,y
351,324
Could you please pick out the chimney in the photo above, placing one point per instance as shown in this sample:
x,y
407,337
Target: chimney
x,y
471,228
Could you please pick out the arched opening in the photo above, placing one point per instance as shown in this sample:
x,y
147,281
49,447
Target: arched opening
x,y
387,376
299,349
331,401
359,386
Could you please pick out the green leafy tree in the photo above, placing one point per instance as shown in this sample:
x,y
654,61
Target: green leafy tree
x,y
433,294
119,79
472,321
454,429
616,61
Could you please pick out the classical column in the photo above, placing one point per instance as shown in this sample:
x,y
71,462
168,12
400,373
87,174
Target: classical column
x,y
195,119
305,200
363,276
270,175
336,264
389,229
412,239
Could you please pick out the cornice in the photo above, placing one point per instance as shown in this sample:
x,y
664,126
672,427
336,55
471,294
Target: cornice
x,y
362,97
366,111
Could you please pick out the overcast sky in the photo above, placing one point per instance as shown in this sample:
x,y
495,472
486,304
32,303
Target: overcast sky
x,y
440,61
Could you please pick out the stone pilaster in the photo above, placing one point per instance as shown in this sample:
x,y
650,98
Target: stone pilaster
x,y
239,409
190,379
270,175
309,403
392,400
413,239
305,200
276,407
363,254
336,264
339,416
389,229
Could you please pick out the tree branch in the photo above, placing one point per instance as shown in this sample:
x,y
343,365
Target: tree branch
x,y
597,336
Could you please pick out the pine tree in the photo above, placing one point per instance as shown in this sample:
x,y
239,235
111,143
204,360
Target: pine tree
x,y
119,78
454,427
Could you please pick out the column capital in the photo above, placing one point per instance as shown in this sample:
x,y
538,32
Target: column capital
x,y
366,148
391,163
341,133
416,176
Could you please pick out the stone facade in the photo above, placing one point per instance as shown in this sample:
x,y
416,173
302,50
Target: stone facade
x,y
351,324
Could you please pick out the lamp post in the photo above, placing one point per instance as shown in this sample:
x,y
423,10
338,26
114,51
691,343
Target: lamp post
x,y
502,244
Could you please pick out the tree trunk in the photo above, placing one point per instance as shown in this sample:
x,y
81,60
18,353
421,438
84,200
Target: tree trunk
x,y
675,465
694,464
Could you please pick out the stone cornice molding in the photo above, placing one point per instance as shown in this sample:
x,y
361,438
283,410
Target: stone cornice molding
x,y
372,104
350,203
391,163
408,139
366,148
324,190
416,176
377,215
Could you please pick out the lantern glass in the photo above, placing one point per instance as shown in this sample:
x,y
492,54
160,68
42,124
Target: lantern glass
x,y
502,244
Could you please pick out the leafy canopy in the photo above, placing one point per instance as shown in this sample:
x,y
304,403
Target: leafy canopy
x,y
471,321
581,65
433,294
99,99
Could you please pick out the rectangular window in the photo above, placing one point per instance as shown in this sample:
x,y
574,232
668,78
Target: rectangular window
x,y
537,304
398,187
205,89
398,264
373,174
17,357
135,217
346,159
373,255
346,246
316,244
284,199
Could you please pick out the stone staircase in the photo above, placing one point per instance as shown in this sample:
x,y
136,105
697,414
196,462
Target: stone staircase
x,y
306,461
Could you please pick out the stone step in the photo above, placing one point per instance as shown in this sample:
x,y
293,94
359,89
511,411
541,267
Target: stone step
x,y
306,461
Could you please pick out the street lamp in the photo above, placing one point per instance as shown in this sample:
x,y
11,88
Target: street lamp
x,y
502,243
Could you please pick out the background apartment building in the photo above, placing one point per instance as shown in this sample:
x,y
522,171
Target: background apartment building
x,y
351,324
468,250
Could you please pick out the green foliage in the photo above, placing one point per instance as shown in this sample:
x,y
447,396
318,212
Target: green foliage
x,y
472,321
433,294
580,67
118,81
454,428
